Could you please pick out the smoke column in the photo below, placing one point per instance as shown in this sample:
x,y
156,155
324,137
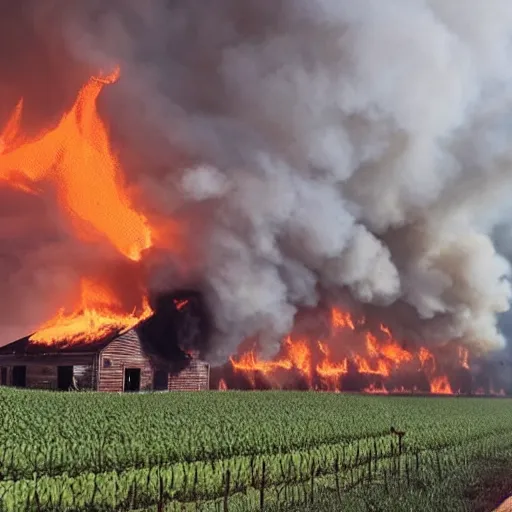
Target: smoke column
x,y
307,152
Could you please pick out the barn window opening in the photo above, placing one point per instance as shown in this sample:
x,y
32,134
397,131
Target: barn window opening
x,y
132,379
65,378
19,376
3,376
160,380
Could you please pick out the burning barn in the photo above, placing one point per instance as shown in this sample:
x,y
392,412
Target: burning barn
x,y
115,363
156,354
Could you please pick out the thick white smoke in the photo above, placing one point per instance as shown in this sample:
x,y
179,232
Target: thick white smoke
x,y
330,145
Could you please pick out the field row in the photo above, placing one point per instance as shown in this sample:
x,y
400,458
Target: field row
x,y
75,451
294,463
51,433
191,482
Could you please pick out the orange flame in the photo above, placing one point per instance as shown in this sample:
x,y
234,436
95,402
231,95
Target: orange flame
x,y
75,157
376,389
392,350
372,345
299,354
441,386
382,355
180,304
340,319
222,385
427,358
93,319
249,362
329,371
380,367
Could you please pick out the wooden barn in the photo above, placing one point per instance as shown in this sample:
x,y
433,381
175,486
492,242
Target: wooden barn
x,y
116,363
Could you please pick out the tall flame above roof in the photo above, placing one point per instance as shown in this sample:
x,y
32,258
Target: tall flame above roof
x,y
75,157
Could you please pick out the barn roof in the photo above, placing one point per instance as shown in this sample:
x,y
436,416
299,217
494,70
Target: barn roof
x,y
24,346
159,335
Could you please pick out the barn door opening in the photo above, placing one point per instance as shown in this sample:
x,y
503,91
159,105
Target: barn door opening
x,y
19,376
3,376
64,378
132,379
160,380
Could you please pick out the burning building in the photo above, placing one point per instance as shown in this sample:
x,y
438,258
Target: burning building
x,y
115,363
95,347
158,349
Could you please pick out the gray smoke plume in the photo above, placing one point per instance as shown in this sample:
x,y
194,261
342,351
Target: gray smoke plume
x,y
306,148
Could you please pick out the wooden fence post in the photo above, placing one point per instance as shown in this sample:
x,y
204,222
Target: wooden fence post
x,y
160,507
262,488
337,472
36,496
313,482
226,490
438,463
370,466
196,479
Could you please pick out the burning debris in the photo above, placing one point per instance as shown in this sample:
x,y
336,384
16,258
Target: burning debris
x,y
279,167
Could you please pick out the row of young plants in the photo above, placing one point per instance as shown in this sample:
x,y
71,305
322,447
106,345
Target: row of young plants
x,y
50,433
226,479
22,462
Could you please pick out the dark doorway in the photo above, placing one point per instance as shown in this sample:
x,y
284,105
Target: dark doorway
x,y
19,376
160,380
132,379
3,376
64,377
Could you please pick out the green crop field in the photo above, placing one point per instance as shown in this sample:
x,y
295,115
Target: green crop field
x,y
245,450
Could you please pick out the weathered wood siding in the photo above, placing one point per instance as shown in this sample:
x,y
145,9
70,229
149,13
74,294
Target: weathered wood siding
x,y
95,372
44,376
195,377
42,371
124,352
